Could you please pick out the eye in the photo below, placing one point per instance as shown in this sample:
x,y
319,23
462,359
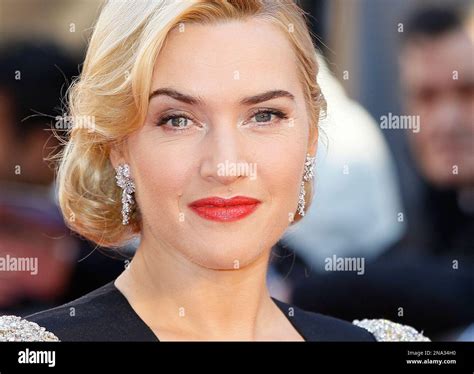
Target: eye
x,y
263,117
175,122
267,116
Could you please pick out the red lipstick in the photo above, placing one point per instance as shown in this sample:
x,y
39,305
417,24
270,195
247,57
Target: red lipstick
x,y
224,210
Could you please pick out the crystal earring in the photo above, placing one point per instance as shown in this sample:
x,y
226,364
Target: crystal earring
x,y
307,176
125,182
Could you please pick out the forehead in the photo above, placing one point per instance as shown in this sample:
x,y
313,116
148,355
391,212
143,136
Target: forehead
x,y
226,58
436,60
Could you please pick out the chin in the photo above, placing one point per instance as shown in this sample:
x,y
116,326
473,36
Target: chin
x,y
226,256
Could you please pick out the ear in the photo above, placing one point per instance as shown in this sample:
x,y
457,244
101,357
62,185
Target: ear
x,y
117,156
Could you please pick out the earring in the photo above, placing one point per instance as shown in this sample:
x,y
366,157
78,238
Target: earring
x,y
307,176
125,182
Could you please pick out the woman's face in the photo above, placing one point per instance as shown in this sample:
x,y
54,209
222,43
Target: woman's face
x,y
211,134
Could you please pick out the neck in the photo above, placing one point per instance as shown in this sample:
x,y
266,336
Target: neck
x,y
173,294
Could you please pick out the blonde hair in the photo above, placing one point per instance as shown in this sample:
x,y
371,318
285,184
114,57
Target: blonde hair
x,y
112,94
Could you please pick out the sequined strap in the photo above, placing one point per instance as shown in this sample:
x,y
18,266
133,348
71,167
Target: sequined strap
x,y
17,329
388,331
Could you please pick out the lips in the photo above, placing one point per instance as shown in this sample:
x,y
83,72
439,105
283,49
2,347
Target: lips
x,y
225,210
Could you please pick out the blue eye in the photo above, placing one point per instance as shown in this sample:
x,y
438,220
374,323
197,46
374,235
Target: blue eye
x,y
263,116
176,122
179,121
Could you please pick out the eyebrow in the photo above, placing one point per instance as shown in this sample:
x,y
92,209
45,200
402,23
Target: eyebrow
x,y
251,100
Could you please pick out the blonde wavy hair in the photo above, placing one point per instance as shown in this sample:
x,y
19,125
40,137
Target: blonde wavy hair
x,y
112,95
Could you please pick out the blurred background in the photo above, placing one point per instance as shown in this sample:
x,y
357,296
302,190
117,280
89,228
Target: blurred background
x,y
390,233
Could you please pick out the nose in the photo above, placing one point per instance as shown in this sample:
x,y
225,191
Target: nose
x,y
223,155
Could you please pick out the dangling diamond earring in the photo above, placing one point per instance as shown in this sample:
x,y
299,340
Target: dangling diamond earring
x,y
307,176
125,182
301,201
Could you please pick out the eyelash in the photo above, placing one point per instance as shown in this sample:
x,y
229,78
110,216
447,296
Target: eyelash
x,y
281,115
163,120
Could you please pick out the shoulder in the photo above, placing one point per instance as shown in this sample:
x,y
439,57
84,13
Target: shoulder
x,y
100,315
319,327
57,323
17,329
386,331
76,319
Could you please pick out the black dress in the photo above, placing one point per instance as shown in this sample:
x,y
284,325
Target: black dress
x,y
106,315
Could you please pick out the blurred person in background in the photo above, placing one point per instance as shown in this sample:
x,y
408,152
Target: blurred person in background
x,y
437,76
426,278
33,78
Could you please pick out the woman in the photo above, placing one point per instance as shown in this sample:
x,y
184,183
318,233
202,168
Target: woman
x,y
201,129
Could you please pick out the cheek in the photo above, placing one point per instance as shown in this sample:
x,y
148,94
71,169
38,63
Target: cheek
x,y
160,173
280,168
